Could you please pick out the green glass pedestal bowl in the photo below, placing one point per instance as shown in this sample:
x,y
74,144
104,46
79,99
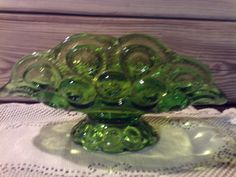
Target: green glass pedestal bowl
x,y
114,81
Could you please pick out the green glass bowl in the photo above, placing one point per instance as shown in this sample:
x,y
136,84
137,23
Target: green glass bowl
x,y
114,81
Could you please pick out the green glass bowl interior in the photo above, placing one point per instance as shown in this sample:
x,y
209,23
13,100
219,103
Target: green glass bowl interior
x,y
114,81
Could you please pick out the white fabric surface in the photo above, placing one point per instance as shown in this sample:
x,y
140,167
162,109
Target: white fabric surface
x,y
34,142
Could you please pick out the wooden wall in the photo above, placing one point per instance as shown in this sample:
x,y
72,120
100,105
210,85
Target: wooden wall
x,y
204,29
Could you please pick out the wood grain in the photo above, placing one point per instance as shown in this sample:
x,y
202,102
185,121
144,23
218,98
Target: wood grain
x,y
203,9
214,43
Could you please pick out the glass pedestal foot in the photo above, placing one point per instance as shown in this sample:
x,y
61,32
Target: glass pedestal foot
x,y
113,138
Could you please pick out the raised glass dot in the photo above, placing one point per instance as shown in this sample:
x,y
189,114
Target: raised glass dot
x,y
172,101
137,60
77,91
111,142
132,138
41,76
112,86
85,60
146,92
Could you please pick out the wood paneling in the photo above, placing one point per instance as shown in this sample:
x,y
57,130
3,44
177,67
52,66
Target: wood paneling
x,y
214,43
206,9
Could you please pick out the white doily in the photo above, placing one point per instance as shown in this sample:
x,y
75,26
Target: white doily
x,y
34,142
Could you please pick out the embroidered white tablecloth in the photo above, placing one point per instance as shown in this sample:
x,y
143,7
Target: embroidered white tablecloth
x,y
35,142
